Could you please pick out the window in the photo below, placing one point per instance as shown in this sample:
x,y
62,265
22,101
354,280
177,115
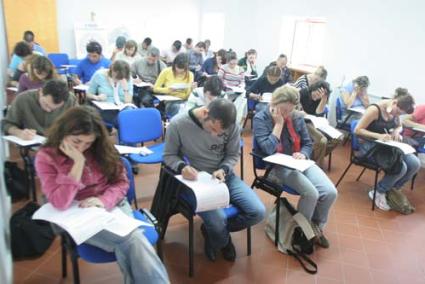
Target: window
x,y
302,39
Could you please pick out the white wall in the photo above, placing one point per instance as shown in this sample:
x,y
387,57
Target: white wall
x,y
162,20
384,40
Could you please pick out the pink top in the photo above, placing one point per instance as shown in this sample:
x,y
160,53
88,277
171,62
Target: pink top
x,y
60,189
418,117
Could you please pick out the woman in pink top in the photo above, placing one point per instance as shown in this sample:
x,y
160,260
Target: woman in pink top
x,y
79,163
415,127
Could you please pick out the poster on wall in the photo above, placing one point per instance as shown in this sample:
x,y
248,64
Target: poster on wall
x,y
106,36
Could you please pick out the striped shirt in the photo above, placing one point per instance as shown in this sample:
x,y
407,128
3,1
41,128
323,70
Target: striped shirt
x,y
232,78
301,82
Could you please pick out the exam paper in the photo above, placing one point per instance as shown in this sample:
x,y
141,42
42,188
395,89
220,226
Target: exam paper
x,y
37,140
122,149
289,162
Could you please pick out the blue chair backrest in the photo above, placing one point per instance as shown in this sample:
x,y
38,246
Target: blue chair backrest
x,y
355,146
251,104
73,61
58,59
258,162
339,110
131,195
139,125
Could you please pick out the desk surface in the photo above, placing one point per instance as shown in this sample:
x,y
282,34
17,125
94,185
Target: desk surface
x,y
302,68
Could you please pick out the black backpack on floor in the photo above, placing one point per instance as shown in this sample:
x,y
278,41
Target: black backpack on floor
x,y
29,238
15,181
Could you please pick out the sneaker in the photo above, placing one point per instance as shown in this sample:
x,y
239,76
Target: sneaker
x,y
208,249
380,200
320,238
229,251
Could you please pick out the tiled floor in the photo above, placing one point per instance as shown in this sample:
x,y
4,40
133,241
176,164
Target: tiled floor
x,y
366,246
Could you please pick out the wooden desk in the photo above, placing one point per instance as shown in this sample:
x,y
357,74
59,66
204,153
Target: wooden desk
x,y
298,70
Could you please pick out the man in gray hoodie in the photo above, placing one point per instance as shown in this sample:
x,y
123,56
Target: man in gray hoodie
x,y
209,140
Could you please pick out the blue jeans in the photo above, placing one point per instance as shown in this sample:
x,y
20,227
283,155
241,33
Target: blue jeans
x,y
252,211
136,257
317,192
410,167
172,108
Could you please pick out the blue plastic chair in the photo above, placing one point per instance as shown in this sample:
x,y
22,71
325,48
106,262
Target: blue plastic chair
x,y
59,59
94,254
74,62
364,162
261,182
140,126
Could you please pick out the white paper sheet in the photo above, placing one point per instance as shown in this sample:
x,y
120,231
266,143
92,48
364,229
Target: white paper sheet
x,y
266,97
357,109
83,223
289,161
417,129
81,87
237,89
37,140
406,148
179,86
209,192
122,149
322,124
13,89
167,98
142,84
111,106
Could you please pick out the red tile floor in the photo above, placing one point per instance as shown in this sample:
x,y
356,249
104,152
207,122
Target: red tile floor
x,y
366,246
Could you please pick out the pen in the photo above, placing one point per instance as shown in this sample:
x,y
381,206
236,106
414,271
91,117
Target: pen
x,y
186,161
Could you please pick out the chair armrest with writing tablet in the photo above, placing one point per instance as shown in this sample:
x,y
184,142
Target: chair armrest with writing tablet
x,y
150,216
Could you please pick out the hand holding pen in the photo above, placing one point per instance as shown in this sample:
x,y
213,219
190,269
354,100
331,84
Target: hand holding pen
x,y
188,172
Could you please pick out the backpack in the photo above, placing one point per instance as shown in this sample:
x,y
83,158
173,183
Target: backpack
x,y
15,181
29,238
295,234
388,158
399,202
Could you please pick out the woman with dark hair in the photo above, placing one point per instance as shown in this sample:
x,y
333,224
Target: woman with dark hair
x,y
40,69
381,121
231,74
79,164
21,51
249,65
129,54
175,81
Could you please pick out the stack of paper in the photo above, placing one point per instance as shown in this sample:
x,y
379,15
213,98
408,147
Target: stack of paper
x,y
289,161
37,140
179,86
83,223
237,90
405,148
13,89
142,84
81,87
122,149
322,124
209,192
112,106
167,98
266,97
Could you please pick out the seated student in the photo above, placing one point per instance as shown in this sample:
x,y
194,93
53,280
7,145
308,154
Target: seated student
x,y
212,89
313,100
231,74
188,44
145,46
281,62
93,62
195,60
147,70
21,51
382,121
248,64
29,38
307,79
129,53
113,85
265,84
209,139
178,73
213,64
79,163
415,120
119,46
40,69
33,111
208,53
355,93
281,129
168,55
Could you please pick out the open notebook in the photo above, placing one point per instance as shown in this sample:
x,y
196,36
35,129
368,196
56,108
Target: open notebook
x,y
323,125
37,140
112,106
289,161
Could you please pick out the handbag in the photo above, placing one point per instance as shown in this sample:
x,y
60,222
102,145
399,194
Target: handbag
x,y
295,234
389,159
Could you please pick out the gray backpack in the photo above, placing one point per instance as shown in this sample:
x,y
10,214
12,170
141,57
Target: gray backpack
x,y
399,202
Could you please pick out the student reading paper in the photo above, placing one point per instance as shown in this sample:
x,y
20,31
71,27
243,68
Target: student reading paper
x,y
279,129
79,163
209,138
381,121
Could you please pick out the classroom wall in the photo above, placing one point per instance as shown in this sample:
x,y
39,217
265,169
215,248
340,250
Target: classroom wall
x,y
162,20
384,40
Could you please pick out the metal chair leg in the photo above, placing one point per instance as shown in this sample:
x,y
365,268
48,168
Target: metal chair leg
x,y
329,161
75,270
63,256
276,232
242,176
358,178
159,249
248,240
343,174
374,190
413,181
191,247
